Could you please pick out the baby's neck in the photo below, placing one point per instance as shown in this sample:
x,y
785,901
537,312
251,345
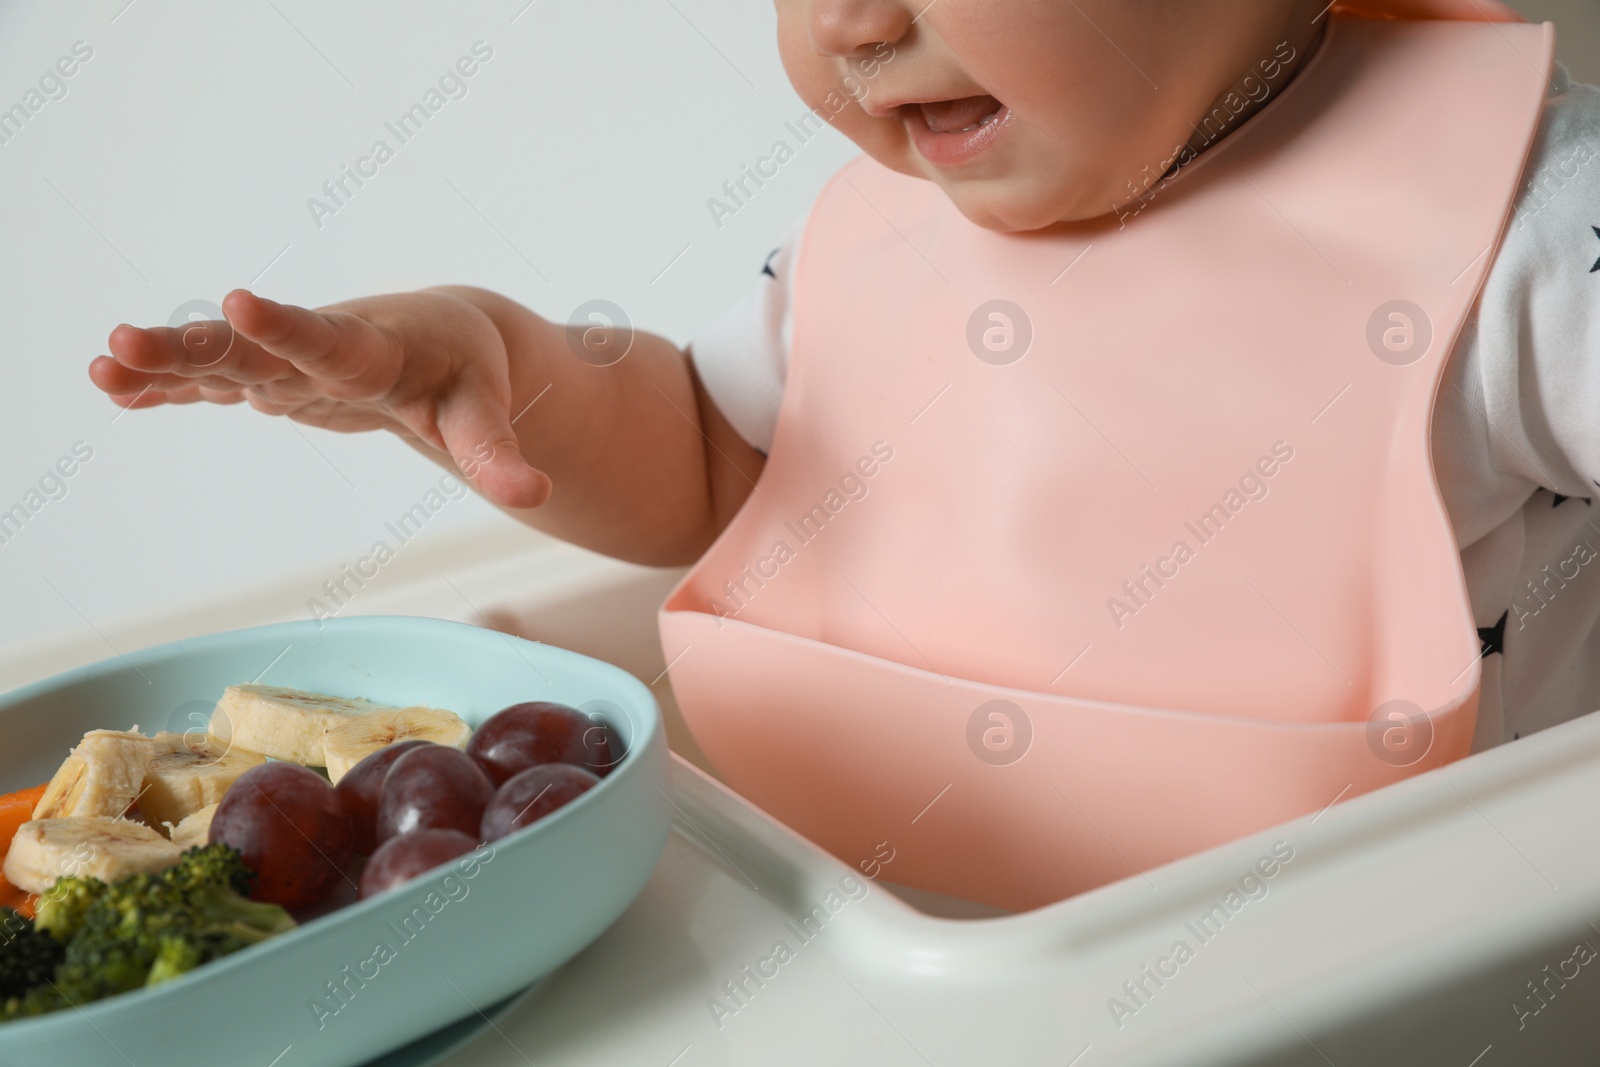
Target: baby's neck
x,y
1265,80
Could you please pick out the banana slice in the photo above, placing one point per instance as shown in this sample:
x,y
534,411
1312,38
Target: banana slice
x,y
195,830
285,724
352,740
102,776
92,846
189,771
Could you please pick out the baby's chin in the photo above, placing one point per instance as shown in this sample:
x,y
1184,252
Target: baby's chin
x,y
1021,197
1012,205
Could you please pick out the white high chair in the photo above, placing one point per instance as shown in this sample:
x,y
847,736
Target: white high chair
x,y
1453,919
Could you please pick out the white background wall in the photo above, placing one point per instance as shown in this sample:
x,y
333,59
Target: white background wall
x,y
179,163
1577,32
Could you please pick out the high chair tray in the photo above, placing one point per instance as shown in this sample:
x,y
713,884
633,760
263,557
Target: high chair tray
x,y
1452,919
1404,929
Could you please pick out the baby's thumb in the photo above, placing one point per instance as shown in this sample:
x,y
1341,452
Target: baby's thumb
x,y
478,433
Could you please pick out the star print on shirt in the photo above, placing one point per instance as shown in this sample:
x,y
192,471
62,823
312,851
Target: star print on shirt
x,y
1596,266
1494,637
766,268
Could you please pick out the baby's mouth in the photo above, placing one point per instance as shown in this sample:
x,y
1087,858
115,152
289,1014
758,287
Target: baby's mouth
x,y
960,116
955,133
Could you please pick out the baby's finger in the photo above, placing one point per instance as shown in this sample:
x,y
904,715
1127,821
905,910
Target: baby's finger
x,y
117,380
114,378
184,394
144,398
478,433
221,396
332,345
199,349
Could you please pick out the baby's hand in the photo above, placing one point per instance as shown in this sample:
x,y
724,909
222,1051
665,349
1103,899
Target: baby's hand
x,y
426,365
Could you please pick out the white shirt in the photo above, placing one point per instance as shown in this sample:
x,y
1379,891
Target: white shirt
x,y
1516,425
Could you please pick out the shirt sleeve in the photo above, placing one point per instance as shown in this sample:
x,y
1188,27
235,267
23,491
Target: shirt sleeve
x,y
1519,406
742,356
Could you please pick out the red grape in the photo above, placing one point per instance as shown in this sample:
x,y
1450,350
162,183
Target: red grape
x,y
290,828
532,794
402,858
432,787
524,735
359,791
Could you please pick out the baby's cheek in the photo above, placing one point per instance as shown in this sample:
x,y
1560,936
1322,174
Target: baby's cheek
x,y
884,139
805,68
824,89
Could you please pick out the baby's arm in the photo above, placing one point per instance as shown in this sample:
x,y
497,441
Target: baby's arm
x,y
646,467
630,459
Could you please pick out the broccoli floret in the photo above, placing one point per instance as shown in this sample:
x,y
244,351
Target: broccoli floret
x,y
36,1001
174,957
212,865
116,941
224,914
101,968
61,907
215,883
148,928
27,955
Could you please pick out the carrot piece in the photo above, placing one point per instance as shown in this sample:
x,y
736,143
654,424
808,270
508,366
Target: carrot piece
x,y
16,809
12,897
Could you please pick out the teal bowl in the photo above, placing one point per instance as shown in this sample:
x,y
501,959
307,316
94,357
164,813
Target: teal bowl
x,y
377,974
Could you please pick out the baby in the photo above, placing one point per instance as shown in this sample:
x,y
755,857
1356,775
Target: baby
x,y
1101,413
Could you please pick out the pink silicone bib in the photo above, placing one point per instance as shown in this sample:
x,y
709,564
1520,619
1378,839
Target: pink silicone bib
x,y
1079,551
